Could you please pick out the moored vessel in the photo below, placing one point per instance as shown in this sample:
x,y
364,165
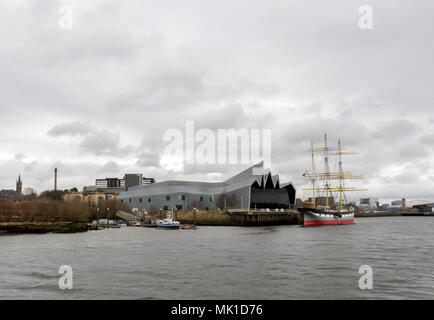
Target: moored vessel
x,y
321,216
328,212
168,222
149,225
187,226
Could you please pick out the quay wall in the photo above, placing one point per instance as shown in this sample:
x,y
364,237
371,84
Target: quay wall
x,y
391,214
237,218
370,214
265,218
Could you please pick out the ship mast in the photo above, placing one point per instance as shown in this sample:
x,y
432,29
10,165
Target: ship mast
x,y
313,178
327,176
326,159
341,175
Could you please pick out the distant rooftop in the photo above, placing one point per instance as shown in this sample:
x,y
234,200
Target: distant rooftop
x,y
412,203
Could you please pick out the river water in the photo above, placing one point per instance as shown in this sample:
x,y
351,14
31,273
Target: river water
x,y
278,262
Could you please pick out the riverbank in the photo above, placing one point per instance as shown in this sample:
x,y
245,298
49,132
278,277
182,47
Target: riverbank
x,y
235,217
391,214
376,214
41,227
260,218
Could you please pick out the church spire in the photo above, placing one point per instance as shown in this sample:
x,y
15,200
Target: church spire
x,y
19,186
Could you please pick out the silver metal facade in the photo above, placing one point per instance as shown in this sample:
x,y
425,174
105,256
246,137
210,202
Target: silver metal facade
x,y
233,193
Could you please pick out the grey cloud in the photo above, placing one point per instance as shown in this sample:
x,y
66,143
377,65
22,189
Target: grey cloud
x,y
395,130
412,152
103,142
427,140
235,115
92,140
31,167
224,171
148,159
75,128
110,167
19,156
404,178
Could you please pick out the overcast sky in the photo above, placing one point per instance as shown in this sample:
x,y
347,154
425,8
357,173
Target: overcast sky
x,y
95,100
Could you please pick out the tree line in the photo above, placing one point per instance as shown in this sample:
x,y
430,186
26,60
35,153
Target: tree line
x,y
50,207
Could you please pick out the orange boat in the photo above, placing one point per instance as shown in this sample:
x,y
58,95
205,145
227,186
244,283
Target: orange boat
x,y
187,226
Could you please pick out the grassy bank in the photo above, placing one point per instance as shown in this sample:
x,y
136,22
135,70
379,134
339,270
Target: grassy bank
x,y
44,210
42,215
41,227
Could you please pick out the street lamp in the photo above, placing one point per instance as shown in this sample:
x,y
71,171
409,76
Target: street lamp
x,y
194,218
108,215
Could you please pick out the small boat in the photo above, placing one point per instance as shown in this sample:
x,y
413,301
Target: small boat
x,y
137,224
168,222
149,225
122,223
186,226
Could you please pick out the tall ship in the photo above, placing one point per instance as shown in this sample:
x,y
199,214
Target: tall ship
x,y
328,185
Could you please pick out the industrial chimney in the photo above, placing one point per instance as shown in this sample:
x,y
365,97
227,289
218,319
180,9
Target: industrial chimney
x,y
55,179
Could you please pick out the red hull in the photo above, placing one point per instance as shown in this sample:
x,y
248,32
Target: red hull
x,y
311,223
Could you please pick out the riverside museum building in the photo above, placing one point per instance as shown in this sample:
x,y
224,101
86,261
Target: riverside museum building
x,y
246,190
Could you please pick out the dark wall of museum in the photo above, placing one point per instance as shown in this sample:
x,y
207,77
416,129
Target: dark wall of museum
x,y
272,198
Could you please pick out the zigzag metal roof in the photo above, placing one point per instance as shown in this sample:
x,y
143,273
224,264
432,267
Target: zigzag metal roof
x,y
243,179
